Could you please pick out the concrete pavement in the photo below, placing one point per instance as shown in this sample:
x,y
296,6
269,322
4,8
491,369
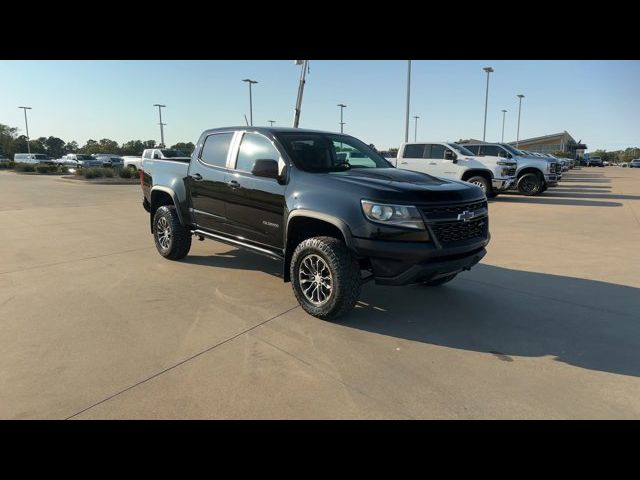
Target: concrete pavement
x,y
95,324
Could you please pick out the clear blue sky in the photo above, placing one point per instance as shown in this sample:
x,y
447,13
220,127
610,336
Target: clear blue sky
x,y
597,102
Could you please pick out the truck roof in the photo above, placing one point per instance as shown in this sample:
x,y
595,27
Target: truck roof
x,y
271,130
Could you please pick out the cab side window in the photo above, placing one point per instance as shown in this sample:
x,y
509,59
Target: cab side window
x,y
255,147
491,150
215,149
437,152
416,150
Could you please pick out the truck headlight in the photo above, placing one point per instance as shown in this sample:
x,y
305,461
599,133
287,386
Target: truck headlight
x,y
406,216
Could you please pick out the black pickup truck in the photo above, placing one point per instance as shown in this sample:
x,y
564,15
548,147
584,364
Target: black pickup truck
x,y
334,220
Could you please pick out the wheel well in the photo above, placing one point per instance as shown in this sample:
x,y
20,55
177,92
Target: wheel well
x,y
524,171
158,199
299,229
481,173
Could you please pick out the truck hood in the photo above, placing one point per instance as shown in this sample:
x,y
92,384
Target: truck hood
x,y
404,185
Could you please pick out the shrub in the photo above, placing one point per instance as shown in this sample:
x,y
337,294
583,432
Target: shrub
x,y
7,164
46,168
25,167
92,172
125,173
107,172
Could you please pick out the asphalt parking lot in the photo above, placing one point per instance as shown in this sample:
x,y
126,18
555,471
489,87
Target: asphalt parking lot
x,y
95,324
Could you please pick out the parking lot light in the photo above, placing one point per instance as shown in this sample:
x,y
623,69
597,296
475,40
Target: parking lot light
x,y
520,96
26,124
503,115
406,124
250,82
415,132
271,122
486,103
342,107
160,107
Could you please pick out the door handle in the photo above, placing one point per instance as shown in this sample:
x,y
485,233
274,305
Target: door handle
x,y
403,163
197,177
233,184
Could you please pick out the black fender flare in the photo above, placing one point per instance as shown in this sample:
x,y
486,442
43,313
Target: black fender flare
x,y
172,194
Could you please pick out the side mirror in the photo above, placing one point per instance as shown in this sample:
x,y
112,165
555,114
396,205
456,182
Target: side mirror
x,y
265,168
449,155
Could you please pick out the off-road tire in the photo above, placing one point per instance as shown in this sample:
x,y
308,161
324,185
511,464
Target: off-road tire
x,y
178,244
345,276
530,184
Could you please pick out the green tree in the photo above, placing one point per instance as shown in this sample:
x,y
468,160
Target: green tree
x,y
108,146
187,147
90,147
149,144
7,140
132,147
54,146
71,147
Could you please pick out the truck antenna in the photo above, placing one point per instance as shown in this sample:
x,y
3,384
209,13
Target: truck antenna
x,y
245,119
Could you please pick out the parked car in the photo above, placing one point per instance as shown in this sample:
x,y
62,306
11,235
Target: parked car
x,y
132,162
284,193
533,174
33,158
595,162
451,160
82,160
110,160
635,163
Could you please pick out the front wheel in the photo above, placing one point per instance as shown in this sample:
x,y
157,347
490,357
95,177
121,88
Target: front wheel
x,y
481,182
325,277
173,240
530,184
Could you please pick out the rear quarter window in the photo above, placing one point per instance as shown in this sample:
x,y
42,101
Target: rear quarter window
x,y
215,149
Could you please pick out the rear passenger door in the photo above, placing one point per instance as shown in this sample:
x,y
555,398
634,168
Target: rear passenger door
x,y
207,182
413,158
255,205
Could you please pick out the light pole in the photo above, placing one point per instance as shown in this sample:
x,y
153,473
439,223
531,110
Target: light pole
x,y
503,115
520,96
250,82
415,132
406,123
486,103
271,122
26,124
342,106
160,107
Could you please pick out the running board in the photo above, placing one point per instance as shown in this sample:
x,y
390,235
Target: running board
x,y
237,243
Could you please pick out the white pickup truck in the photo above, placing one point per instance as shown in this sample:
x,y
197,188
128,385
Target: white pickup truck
x,y
451,160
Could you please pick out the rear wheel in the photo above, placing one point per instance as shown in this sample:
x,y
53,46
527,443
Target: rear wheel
x,y
530,184
325,277
481,182
173,240
132,168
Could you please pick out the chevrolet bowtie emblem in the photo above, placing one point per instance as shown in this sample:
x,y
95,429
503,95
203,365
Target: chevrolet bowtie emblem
x,y
466,215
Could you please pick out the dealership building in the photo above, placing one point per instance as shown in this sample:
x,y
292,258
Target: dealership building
x,y
558,142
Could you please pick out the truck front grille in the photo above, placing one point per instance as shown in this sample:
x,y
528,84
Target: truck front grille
x,y
454,209
448,232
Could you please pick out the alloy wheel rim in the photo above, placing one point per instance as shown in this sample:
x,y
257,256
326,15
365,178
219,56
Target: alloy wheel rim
x,y
481,185
316,281
163,230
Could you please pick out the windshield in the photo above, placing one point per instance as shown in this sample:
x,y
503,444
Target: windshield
x,y
461,149
513,151
173,153
327,152
41,156
85,157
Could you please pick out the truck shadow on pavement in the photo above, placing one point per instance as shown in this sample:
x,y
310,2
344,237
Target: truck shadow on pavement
x,y
547,200
238,260
511,313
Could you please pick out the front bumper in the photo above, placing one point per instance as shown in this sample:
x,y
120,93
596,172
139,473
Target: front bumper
x,y
502,184
551,179
403,263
